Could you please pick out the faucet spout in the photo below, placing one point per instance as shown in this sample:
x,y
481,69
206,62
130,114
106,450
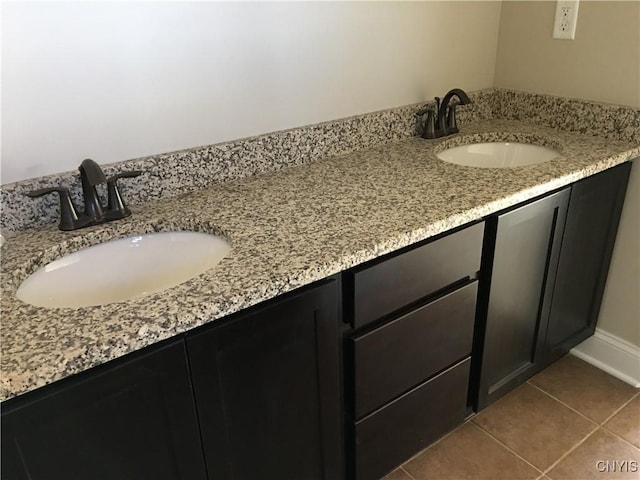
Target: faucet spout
x,y
91,175
91,172
445,109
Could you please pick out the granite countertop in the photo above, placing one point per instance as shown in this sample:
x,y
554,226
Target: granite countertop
x,y
287,229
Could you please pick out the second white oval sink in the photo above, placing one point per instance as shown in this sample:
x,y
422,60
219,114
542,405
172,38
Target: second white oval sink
x,y
497,155
123,269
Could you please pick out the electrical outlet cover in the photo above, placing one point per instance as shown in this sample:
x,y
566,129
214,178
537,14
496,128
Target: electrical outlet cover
x,y
564,25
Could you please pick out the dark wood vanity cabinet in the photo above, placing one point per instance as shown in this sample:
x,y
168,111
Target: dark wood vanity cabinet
x,y
387,285
408,361
256,396
589,236
133,418
429,332
545,268
268,389
518,287
402,353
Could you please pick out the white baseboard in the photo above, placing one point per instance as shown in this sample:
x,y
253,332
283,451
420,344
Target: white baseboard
x,y
611,354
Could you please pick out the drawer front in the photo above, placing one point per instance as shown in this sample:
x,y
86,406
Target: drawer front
x,y
398,281
405,352
407,425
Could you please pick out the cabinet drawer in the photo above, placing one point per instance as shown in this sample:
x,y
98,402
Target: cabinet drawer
x,y
398,281
403,353
393,434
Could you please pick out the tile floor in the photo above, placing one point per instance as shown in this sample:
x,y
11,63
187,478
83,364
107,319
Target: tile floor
x,y
570,422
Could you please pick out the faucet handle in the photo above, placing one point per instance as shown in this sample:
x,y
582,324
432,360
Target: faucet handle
x,y
68,213
116,207
452,125
429,125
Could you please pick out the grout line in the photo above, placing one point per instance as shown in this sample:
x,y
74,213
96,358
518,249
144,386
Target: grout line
x,y
562,403
595,422
541,472
432,445
568,452
619,437
562,457
599,425
605,428
618,410
407,473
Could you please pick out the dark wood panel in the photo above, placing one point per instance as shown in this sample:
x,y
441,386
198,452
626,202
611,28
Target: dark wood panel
x,y
403,353
135,420
526,253
395,282
391,435
267,388
590,232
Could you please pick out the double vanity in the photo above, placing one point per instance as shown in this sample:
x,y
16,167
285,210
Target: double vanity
x,y
142,264
367,305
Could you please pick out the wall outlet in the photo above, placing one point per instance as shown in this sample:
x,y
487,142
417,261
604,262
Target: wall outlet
x,y
564,25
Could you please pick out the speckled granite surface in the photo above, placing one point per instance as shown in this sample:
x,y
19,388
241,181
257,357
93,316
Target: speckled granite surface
x,y
287,229
604,120
171,174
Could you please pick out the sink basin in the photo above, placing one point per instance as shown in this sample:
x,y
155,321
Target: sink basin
x,y
123,269
497,155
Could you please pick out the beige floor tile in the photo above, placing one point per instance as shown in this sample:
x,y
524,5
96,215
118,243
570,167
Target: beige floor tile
x,y
469,453
589,460
626,422
534,425
397,474
592,392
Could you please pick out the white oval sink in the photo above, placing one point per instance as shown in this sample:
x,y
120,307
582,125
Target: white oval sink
x,y
123,269
497,155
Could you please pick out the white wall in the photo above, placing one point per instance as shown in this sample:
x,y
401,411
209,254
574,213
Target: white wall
x,y
120,80
602,64
620,311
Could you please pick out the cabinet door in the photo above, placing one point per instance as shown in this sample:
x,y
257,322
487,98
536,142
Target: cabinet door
x,y
132,420
589,237
527,244
268,393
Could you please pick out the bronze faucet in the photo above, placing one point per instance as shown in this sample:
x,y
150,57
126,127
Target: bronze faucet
x,y
442,122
